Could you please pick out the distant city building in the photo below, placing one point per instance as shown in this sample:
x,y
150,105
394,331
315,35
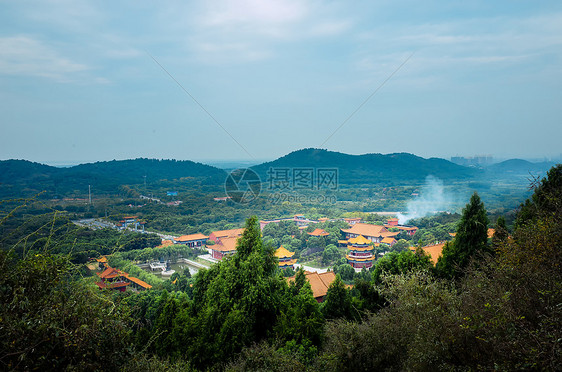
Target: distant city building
x,y
475,161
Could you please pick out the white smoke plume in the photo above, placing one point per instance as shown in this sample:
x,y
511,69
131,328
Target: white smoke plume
x,y
432,199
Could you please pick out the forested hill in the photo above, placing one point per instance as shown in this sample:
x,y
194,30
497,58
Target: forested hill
x,y
519,166
399,168
22,178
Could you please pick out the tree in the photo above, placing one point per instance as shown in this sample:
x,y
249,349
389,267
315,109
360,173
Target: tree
x,y
470,240
500,233
546,197
330,254
400,246
401,263
346,271
337,303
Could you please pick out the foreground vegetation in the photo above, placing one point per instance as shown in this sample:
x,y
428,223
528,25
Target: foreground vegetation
x,y
486,305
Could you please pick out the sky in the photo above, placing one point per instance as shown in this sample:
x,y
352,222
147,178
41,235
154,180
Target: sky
x,y
84,81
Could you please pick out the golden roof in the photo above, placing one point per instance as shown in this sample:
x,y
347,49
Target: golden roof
x,y
388,240
371,258
283,252
360,240
287,263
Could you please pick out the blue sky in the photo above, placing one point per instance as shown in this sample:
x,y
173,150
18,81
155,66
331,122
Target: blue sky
x,y
77,81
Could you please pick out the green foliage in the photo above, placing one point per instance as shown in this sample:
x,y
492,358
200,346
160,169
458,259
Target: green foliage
x,y
330,254
400,246
470,240
337,303
410,334
500,233
346,272
401,263
53,321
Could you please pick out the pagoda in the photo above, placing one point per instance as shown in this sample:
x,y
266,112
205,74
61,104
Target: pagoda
x,y
285,258
360,252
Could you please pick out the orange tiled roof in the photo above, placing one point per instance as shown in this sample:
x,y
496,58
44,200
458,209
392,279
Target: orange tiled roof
x,y
102,259
318,232
227,233
319,287
491,233
319,283
187,238
139,282
367,230
227,244
388,240
434,251
283,252
110,273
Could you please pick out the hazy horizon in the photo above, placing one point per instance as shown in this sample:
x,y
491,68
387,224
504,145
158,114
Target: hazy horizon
x,y
259,79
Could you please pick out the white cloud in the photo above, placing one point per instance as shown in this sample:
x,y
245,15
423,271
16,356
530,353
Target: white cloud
x,y
260,26
22,55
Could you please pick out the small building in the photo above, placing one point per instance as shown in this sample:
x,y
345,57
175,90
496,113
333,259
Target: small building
x,y
102,262
352,221
113,278
225,247
216,236
318,233
222,198
192,241
389,240
392,222
285,258
360,252
300,220
165,243
264,223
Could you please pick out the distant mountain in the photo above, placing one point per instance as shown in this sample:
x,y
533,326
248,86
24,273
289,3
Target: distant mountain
x,y
20,178
519,166
399,168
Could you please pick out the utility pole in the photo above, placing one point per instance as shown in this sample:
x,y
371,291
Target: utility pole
x,y
89,195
